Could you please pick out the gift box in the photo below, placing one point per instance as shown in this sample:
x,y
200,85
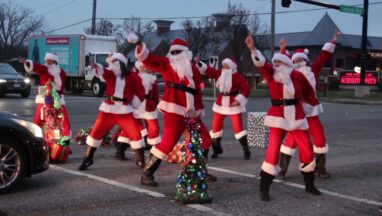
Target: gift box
x,y
59,152
258,133
52,134
175,156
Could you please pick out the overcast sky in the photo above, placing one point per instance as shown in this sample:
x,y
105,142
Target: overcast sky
x,y
60,13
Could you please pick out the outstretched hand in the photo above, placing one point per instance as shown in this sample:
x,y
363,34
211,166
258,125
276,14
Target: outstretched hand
x,y
336,36
132,37
22,60
282,44
249,42
197,59
94,66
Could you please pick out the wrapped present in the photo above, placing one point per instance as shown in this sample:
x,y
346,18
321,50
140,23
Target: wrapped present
x,y
82,135
52,134
59,152
258,133
175,156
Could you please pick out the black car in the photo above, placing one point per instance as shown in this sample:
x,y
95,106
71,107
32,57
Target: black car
x,y
23,151
13,82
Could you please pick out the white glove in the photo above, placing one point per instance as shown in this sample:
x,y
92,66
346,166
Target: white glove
x,y
192,113
132,38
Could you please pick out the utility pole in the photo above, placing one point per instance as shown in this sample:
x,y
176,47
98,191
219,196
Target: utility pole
x,y
273,21
364,52
94,16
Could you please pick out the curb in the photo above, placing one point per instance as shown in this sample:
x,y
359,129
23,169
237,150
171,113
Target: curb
x,y
351,101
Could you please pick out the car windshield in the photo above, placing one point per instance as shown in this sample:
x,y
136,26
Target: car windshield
x,y
101,59
7,69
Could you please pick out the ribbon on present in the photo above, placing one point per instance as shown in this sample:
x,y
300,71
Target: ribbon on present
x,y
59,152
175,156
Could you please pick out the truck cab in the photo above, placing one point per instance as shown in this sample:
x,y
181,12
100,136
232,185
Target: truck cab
x,y
96,84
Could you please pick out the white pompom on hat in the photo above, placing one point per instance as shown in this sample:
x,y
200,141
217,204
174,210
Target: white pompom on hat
x,y
119,56
51,56
301,53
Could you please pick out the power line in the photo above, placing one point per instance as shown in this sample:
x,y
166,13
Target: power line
x,y
59,7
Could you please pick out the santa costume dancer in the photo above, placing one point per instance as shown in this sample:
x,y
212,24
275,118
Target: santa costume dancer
x,y
287,88
234,91
51,71
182,98
146,114
124,93
316,130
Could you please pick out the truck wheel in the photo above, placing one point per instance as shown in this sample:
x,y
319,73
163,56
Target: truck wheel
x,y
98,88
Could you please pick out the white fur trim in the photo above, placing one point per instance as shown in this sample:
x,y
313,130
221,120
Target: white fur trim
x,y
216,134
203,68
90,141
136,144
241,99
232,65
120,87
270,168
329,47
287,150
30,68
123,139
145,115
51,56
172,108
136,102
240,134
259,55
280,122
190,101
178,47
158,153
119,56
100,71
282,57
300,55
308,168
143,54
144,132
311,111
322,150
116,108
154,141
228,110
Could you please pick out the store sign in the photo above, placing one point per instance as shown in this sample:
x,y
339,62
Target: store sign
x,y
375,54
353,78
57,40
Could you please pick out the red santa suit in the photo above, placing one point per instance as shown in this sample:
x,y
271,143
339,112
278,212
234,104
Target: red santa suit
x,y
146,112
123,94
58,76
312,74
182,96
286,114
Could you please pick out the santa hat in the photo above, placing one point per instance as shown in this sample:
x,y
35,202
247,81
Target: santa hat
x,y
231,63
301,53
138,65
178,44
119,56
283,57
51,56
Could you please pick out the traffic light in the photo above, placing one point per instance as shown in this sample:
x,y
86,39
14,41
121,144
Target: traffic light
x,y
286,3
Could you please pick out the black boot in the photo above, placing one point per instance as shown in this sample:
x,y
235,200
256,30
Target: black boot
x,y
88,159
140,157
320,166
216,147
265,184
120,154
309,183
244,143
209,177
151,166
147,145
284,164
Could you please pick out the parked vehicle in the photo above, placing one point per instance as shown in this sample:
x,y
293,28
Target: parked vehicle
x,y
13,82
23,151
76,54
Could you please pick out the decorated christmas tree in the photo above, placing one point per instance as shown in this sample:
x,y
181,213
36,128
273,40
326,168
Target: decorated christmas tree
x,y
192,184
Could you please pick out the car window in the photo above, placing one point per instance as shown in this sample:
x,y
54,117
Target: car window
x,y
7,69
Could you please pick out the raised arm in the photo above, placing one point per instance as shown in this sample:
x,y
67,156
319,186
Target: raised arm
x,y
204,69
31,66
325,55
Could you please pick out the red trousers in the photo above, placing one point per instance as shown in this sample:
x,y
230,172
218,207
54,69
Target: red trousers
x,y
174,127
316,130
218,124
106,121
276,136
152,133
66,124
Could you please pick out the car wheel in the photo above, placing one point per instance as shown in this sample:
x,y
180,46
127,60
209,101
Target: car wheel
x,y
13,164
25,94
98,88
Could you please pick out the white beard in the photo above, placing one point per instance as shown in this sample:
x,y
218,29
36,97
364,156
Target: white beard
x,y
181,64
309,75
55,71
147,81
115,67
282,74
224,83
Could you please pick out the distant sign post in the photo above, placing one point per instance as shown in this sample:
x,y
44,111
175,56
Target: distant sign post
x,y
351,9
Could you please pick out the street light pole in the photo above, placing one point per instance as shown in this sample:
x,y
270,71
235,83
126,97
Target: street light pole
x,y
364,52
273,18
94,16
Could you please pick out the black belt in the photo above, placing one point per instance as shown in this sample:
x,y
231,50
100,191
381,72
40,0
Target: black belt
x,y
181,87
112,98
234,93
284,102
149,97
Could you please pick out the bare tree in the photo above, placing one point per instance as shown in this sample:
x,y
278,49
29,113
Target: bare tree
x,y
201,36
104,27
17,23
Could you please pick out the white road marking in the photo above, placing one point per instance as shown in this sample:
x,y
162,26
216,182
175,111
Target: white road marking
x,y
134,188
335,194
